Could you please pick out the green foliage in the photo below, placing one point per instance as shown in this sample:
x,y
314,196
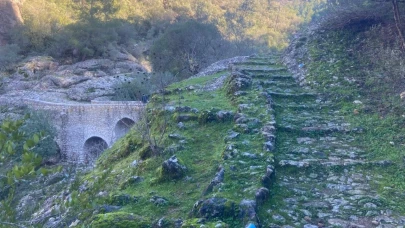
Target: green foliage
x,y
85,40
91,10
18,164
185,48
83,29
142,84
39,122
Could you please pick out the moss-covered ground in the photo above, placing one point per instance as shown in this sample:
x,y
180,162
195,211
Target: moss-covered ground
x,y
195,120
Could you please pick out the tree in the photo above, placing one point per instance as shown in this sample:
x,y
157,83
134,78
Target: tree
x,y
102,10
19,163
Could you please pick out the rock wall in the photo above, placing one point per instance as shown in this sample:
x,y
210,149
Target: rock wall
x,y
10,16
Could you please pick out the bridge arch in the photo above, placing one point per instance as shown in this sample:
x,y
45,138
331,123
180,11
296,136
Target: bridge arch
x,y
122,127
93,147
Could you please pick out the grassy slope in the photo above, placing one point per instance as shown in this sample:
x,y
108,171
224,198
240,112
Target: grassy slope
x,y
201,149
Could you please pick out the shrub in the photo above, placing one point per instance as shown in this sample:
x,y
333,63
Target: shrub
x,y
142,84
187,47
9,54
39,122
132,90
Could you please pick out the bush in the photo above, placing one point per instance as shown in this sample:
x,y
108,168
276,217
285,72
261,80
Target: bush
x,y
9,54
185,48
39,122
142,84
132,90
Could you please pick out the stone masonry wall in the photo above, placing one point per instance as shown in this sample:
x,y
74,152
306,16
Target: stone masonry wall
x,y
76,123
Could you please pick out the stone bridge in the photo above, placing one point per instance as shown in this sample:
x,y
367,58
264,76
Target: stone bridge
x,y
85,130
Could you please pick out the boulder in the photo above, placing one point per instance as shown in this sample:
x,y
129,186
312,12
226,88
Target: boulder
x,y
214,208
262,194
172,169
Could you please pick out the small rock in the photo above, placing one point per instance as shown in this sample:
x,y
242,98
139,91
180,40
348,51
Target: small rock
x,y
231,135
310,226
75,223
176,136
402,95
170,109
134,164
370,205
268,146
249,155
305,140
181,125
159,201
278,218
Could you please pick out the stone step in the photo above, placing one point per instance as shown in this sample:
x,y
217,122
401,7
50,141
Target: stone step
x,y
256,62
292,95
321,129
313,162
264,70
298,107
277,84
275,77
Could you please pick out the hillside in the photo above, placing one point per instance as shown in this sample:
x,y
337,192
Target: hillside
x,y
244,145
309,137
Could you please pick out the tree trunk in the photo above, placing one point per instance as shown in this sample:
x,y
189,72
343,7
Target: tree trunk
x,y
397,18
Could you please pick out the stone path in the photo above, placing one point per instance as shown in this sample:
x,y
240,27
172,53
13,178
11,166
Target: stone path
x,y
322,180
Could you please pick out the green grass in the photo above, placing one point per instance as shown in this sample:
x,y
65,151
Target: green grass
x,y
202,100
195,81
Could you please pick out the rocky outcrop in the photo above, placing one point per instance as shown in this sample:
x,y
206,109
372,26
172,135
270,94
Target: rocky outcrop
x,y
43,78
10,16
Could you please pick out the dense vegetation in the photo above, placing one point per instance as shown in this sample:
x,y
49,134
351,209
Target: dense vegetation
x,y
78,30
